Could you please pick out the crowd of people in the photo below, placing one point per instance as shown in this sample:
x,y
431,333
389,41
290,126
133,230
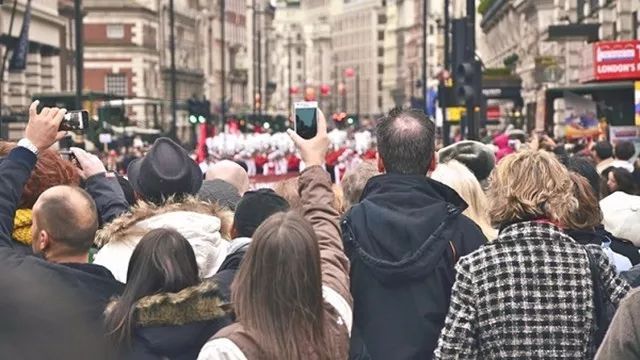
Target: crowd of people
x,y
464,252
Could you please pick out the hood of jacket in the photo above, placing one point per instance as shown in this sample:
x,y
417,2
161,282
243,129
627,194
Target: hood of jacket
x,y
174,324
199,222
399,228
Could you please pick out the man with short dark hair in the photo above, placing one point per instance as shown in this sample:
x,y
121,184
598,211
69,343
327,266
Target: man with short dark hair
x,y
254,208
65,221
624,151
603,153
403,241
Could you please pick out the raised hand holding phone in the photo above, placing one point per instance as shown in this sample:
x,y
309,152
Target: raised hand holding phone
x,y
313,150
306,118
43,129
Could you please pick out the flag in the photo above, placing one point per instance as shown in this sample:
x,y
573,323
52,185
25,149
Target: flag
x,y
19,58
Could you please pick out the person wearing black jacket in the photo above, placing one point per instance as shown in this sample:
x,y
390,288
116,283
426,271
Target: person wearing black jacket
x,y
65,222
403,241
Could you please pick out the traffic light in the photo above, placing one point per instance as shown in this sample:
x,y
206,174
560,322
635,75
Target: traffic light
x,y
468,87
199,111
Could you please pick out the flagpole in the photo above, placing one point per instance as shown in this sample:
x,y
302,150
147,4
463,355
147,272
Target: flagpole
x,y
4,61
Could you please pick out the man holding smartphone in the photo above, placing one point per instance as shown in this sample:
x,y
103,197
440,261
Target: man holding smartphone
x,y
65,221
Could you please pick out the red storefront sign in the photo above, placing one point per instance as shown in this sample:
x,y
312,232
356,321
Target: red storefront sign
x,y
613,60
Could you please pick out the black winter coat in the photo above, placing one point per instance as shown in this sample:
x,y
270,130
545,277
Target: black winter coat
x,y
92,285
176,326
600,235
403,241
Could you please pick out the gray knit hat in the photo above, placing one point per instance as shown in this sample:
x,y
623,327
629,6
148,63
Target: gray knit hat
x,y
221,192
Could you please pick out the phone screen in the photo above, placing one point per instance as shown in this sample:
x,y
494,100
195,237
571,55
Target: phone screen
x,y
75,121
306,122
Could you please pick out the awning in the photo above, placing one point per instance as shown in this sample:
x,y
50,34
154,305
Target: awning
x,y
583,89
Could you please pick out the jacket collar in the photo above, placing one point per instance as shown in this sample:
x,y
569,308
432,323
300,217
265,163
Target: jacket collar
x,y
390,183
202,302
531,230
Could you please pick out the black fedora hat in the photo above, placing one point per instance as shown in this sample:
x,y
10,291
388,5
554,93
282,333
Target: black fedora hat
x,y
166,170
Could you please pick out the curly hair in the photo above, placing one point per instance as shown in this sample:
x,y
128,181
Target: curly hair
x,y
51,170
529,185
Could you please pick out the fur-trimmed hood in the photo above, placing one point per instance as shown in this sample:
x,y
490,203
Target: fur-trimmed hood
x,y
199,222
177,325
125,225
202,302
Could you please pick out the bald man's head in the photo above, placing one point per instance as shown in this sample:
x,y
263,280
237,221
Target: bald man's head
x,y
406,142
65,219
230,172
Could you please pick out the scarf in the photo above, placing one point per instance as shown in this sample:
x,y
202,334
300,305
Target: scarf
x,y
22,226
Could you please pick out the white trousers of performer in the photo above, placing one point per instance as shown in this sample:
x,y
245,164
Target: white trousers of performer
x,y
251,167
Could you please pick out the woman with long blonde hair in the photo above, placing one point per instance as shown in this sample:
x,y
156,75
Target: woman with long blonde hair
x,y
458,177
530,293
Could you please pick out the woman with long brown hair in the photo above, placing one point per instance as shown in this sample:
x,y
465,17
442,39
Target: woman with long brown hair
x,y
291,294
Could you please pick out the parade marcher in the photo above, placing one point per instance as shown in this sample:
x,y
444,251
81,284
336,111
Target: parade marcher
x,y
531,292
166,179
149,320
403,240
65,220
458,177
306,313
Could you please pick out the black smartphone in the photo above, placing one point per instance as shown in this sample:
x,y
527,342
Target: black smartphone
x,y
75,121
69,156
306,124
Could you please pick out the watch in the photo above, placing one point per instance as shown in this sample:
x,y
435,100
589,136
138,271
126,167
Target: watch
x,y
25,143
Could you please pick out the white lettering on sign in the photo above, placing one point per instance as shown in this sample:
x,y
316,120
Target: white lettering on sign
x,y
492,92
616,68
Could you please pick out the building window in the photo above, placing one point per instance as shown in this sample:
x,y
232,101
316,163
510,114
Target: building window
x,y
115,31
380,68
382,19
380,51
298,51
379,85
380,102
116,84
380,35
431,29
299,65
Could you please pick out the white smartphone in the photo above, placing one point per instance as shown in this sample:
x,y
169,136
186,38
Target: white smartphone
x,y
306,124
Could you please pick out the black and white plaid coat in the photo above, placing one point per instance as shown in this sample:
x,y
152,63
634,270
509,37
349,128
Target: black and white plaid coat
x,y
526,295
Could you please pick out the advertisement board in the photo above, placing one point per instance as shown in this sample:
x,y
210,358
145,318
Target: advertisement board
x,y
612,60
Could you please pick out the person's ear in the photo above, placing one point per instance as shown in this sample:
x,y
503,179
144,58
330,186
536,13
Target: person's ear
x,y
433,163
381,168
42,242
